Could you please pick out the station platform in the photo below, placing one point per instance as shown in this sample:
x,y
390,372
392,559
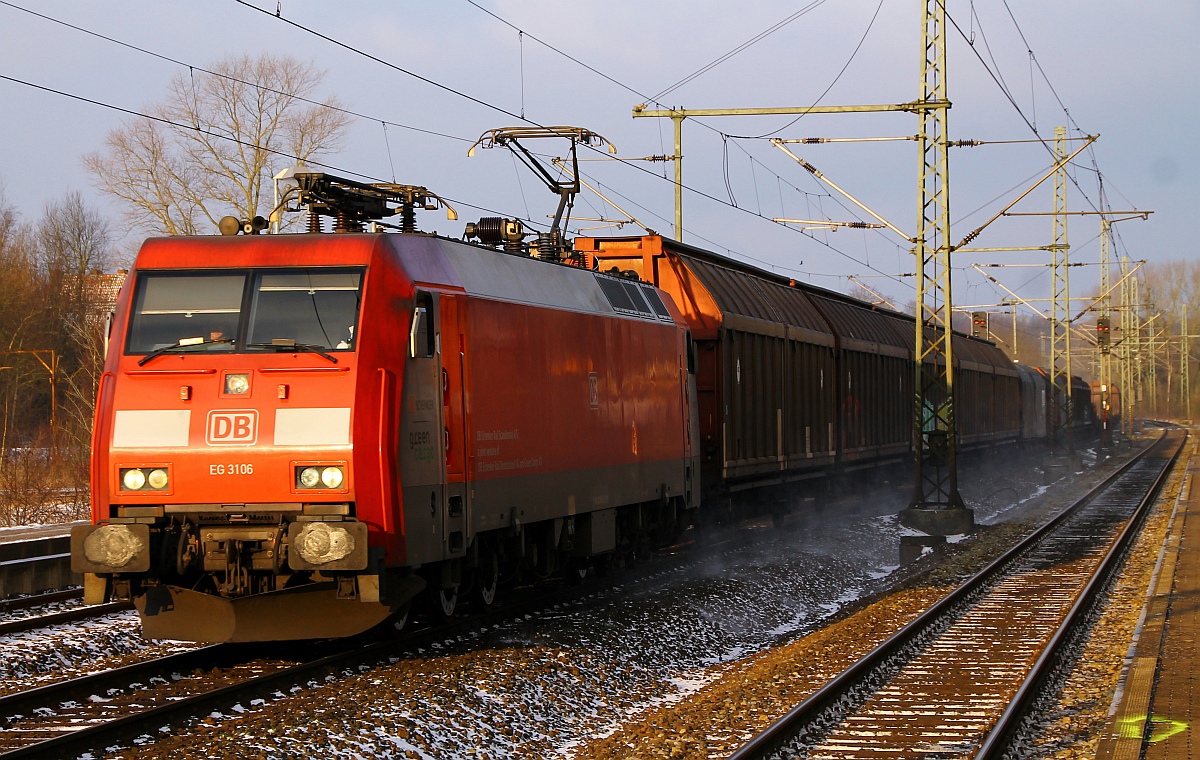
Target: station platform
x,y
35,532
1157,713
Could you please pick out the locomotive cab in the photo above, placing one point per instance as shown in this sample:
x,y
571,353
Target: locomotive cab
x,y
224,468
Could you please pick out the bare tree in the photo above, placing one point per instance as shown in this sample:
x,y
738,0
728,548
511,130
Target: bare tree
x,y
73,239
51,351
236,130
74,247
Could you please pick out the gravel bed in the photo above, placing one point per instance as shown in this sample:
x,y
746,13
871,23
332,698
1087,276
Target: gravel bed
x,y
25,613
47,655
535,687
749,695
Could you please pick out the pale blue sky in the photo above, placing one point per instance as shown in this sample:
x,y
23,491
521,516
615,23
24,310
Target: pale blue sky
x,y
1122,71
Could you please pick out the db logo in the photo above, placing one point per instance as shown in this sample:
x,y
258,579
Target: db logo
x,y
232,427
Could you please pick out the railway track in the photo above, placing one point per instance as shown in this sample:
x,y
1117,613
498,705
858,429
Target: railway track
x,y
120,706
57,618
37,600
958,680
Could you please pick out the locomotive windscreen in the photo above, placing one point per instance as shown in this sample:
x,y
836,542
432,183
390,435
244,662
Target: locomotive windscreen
x,y
246,309
314,308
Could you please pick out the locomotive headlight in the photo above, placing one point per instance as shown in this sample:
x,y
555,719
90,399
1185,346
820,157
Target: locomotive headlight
x,y
332,477
134,479
157,479
320,476
237,384
310,477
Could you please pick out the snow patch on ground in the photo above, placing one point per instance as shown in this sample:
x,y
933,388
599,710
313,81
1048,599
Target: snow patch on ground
x,y
541,687
882,571
45,655
995,516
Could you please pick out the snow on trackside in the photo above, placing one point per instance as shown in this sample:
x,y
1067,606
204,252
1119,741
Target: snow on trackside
x,y
539,687
35,657
996,516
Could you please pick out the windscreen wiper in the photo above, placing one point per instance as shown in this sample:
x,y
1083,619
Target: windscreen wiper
x,y
291,345
182,344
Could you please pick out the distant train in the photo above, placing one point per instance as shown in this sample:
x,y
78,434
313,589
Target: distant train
x,y
297,435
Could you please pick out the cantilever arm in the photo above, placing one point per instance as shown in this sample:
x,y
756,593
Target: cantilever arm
x,y
816,173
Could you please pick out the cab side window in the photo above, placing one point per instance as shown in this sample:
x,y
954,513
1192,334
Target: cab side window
x,y
421,343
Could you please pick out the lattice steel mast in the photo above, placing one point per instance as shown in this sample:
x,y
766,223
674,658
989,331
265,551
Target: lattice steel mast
x,y
1105,318
1185,355
935,432
1060,309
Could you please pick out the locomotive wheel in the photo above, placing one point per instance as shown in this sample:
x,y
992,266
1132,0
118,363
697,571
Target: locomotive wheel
x,y
443,603
398,620
393,625
578,572
487,578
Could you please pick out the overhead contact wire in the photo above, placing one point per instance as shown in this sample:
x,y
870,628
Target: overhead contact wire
x,y
385,122
725,153
193,68
821,97
500,109
244,143
1003,88
564,54
748,43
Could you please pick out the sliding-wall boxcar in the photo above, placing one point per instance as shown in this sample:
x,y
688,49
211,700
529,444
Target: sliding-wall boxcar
x,y
795,381
1033,403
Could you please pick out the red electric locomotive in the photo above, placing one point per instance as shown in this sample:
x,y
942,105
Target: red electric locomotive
x,y
296,434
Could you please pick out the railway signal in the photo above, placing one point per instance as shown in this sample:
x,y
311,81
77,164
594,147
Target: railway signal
x,y
1104,334
979,325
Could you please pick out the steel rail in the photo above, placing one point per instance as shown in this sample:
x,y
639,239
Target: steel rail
x,y
66,616
50,569
997,739
22,703
41,558
786,727
149,719
35,600
99,735
353,655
